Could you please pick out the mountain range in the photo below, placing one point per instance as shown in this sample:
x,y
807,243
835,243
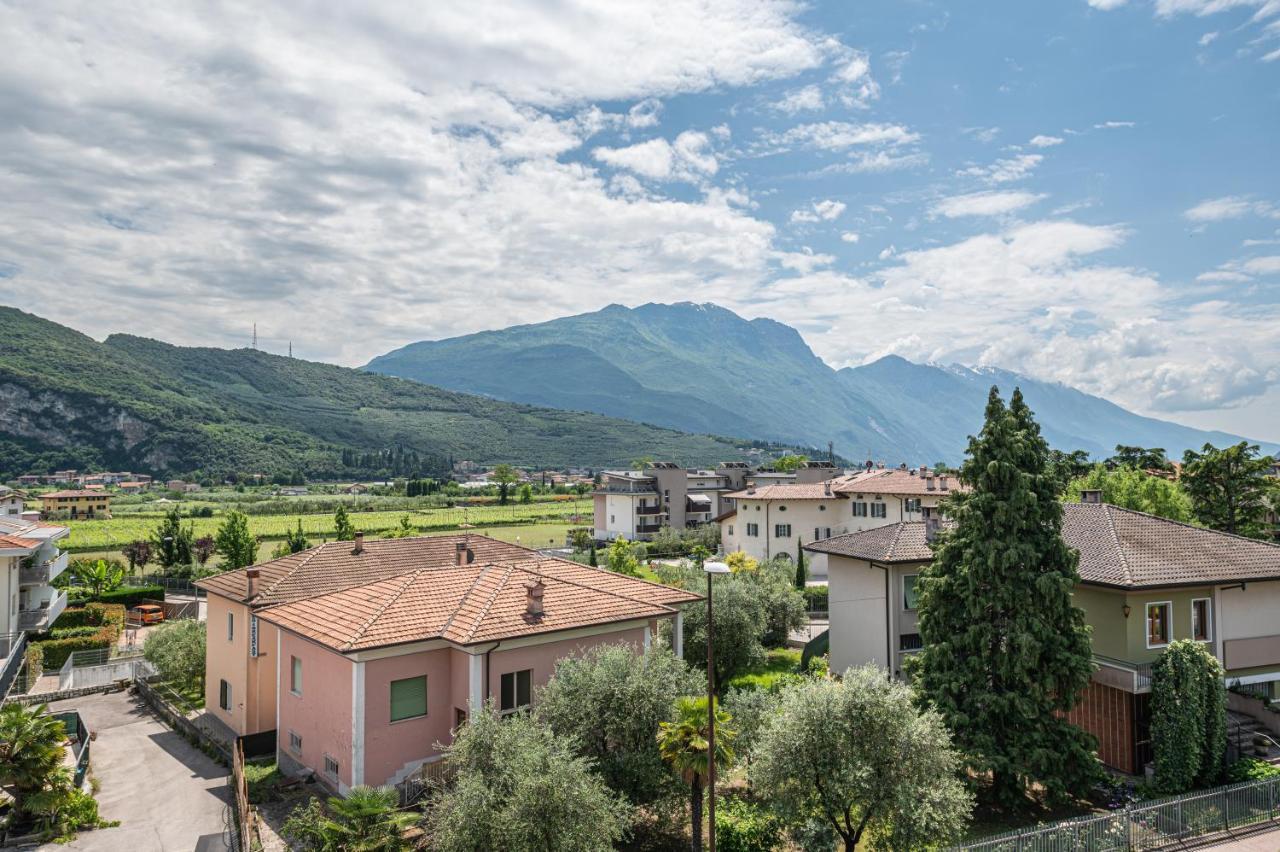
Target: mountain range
x,y
68,401
703,368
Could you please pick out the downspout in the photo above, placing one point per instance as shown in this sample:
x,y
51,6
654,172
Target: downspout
x,y
487,673
766,530
888,625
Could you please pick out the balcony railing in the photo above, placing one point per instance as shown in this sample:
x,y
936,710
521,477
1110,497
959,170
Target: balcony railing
x,y
626,489
42,573
39,618
1122,674
648,510
12,648
648,528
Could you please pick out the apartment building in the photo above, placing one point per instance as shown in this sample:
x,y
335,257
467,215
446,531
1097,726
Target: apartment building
x,y
30,560
768,521
76,503
635,504
365,657
1145,581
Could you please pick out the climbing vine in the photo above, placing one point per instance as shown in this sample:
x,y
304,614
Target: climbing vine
x,y
1188,717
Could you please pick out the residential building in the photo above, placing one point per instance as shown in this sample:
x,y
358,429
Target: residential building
x,y
76,503
635,504
364,657
768,521
30,479
133,486
1144,582
30,559
12,503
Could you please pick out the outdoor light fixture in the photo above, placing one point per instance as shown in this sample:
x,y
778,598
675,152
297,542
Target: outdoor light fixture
x,y
712,569
1127,609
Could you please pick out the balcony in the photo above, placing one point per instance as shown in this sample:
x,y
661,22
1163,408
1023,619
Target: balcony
x,y
648,528
1134,678
626,489
42,573
40,617
648,510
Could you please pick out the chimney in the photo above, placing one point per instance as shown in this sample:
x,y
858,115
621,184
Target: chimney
x,y
924,470
251,581
942,483
932,524
533,596
1090,496
463,555
359,548
928,483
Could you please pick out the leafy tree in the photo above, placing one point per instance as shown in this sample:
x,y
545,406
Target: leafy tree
x,y
203,548
176,649
789,462
609,701
739,561
30,752
173,542
97,575
592,559
639,463
684,743
238,547
802,570
741,622
1134,488
60,808
750,709
1064,467
1188,717
858,753
138,552
369,818
520,786
1142,458
622,558
526,493
296,540
343,529
1005,649
505,475
1229,487
581,540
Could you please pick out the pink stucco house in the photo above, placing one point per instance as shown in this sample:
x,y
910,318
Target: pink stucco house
x,y
364,657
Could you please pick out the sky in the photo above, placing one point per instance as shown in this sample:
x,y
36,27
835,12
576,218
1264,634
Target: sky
x,y
1081,190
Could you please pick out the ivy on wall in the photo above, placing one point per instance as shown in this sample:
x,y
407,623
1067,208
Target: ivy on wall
x,y
1188,717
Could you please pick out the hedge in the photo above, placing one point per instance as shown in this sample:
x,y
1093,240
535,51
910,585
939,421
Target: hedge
x,y
107,618
131,596
815,598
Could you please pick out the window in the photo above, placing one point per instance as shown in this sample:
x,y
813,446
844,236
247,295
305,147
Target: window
x,y
909,642
912,504
459,718
224,695
231,626
822,507
819,533
909,591
516,689
295,742
295,675
782,508
879,510
859,509
753,529
1201,620
782,530
1158,627
408,698
731,530
330,767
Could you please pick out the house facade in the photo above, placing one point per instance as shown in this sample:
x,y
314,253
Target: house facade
x,y
635,504
365,657
76,503
30,560
768,521
1145,582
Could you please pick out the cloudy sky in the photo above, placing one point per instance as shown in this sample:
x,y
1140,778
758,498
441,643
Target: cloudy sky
x,y
1083,190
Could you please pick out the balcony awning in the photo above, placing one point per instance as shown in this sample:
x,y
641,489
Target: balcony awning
x,y
700,499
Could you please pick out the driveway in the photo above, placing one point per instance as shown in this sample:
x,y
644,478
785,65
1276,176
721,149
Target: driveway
x,y
168,795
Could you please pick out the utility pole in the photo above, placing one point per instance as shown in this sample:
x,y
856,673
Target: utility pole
x,y
255,335
290,348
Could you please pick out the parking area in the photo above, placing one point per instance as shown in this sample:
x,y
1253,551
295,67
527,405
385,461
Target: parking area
x,y
167,794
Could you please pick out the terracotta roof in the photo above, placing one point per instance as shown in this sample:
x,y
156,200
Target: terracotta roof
x,y
724,516
894,480
334,565
1118,547
790,491
470,604
72,493
18,542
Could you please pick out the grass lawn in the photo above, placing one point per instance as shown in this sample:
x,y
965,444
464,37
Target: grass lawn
x,y
186,698
779,663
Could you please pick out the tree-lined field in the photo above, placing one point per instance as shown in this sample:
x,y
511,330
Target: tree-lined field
x,y
93,535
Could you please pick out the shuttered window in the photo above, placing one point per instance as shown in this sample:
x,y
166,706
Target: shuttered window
x,y
408,698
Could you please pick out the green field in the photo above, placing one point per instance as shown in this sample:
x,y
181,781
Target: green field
x,y
113,534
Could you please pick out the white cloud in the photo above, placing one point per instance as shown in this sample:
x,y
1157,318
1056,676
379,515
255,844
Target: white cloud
x,y
1006,170
806,99
1229,207
838,135
1207,39
1107,5
984,204
1223,275
982,134
855,87
1272,56
1114,125
1263,265
850,237
880,161
1042,141
822,211
645,113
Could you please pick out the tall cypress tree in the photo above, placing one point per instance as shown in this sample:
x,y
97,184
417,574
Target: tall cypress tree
x,y
1005,650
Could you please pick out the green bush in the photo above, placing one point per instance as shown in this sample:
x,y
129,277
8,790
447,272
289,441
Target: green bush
x,y
55,652
132,596
742,826
108,619
815,598
72,632
1251,769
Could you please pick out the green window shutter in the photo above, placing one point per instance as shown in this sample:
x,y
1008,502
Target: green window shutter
x,y
408,698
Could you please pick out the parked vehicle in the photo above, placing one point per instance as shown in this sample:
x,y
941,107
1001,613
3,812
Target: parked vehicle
x,y
145,614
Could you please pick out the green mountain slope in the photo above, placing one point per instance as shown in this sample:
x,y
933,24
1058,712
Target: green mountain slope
x,y
702,367
130,402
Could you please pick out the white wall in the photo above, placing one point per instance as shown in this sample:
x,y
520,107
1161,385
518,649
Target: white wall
x,y
859,629
1250,613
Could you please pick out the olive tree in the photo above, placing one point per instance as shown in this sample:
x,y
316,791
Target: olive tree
x,y
176,649
858,754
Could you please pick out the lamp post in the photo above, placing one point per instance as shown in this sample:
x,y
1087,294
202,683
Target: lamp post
x,y
711,569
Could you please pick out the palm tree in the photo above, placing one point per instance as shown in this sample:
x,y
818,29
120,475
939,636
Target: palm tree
x,y
367,820
682,743
30,750
99,575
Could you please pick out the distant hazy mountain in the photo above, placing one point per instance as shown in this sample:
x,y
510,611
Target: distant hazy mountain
x,y
67,400
704,368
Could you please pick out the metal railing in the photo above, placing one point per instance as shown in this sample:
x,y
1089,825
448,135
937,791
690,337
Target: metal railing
x,y
648,510
46,614
13,648
42,573
1159,824
1138,673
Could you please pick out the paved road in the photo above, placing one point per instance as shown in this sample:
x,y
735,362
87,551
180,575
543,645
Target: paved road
x,y
167,795
1265,842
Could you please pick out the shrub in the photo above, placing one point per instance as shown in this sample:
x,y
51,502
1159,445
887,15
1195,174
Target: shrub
x,y
1251,769
816,598
132,596
742,826
108,619
1188,717
72,632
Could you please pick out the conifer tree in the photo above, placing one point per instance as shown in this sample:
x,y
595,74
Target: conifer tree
x,y
1005,649
343,529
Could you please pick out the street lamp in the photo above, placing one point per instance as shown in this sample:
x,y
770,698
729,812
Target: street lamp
x,y
711,569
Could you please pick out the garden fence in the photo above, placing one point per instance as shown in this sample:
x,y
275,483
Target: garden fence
x,y
101,666
1158,824
240,822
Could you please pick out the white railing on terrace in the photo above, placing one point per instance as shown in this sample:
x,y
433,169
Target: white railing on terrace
x,y
42,573
40,617
1132,677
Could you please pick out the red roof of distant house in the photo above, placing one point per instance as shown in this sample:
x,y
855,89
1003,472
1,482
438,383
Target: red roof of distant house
x,y
18,542
74,493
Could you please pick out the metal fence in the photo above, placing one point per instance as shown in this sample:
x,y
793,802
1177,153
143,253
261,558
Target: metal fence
x,y
1159,824
13,649
101,666
240,824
